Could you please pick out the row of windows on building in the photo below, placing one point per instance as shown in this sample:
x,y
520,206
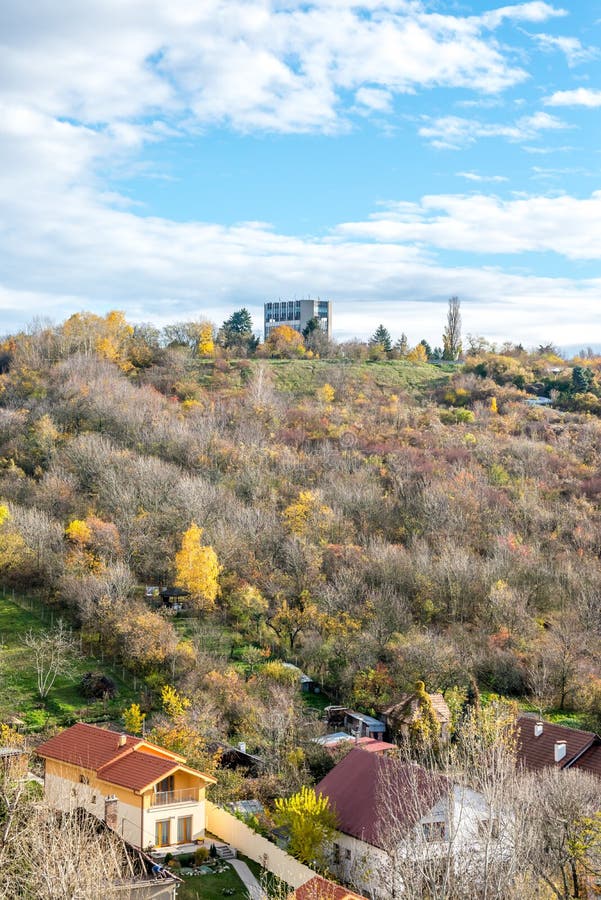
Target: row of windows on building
x,y
283,311
290,310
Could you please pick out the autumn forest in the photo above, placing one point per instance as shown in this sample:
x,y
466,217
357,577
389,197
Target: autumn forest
x,y
370,515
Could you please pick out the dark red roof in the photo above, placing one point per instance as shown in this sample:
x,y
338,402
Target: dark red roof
x,y
356,789
137,770
539,752
87,746
319,888
590,761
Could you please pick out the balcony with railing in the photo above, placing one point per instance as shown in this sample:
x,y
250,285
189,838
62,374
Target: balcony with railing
x,y
169,798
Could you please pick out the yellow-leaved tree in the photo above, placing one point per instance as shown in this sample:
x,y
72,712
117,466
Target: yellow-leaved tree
x,y
311,823
325,394
284,342
177,731
133,719
174,704
197,569
418,354
206,345
307,515
79,532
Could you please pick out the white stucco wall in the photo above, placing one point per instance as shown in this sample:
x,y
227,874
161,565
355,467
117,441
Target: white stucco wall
x,y
230,829
173,812
367,868
69,795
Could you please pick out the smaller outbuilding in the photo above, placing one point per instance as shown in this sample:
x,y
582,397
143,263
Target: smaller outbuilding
x,y
400,716
354,723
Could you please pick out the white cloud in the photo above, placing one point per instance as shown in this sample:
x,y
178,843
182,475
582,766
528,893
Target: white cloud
x,y
374,99
86,85
482,224
536,11
252,63
581,96
574,52
475,176
87,254
454,132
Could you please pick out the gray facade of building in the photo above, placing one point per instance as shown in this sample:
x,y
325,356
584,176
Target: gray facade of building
x,y
296,314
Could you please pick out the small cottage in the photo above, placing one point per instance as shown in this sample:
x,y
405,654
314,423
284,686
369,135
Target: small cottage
x,y
399,716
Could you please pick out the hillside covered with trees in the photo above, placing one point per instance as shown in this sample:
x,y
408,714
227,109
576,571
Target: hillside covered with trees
x,y
353,509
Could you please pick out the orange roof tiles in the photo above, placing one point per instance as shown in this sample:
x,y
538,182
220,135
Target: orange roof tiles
x,y
319,888
374,746
117,759
87,746
137,770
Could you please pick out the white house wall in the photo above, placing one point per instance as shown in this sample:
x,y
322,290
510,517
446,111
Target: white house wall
x,y
69,795
367,868
195,808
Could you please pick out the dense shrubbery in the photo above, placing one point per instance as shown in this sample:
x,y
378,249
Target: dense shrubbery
x,y
368,517
97,686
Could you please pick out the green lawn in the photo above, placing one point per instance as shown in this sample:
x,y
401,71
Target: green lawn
x,y
302,376
316,701
211,887
569,718
64,705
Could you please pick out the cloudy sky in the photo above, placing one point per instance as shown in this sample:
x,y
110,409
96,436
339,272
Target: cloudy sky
x,y
184,158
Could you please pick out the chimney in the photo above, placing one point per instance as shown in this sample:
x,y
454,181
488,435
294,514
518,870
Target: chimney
x,y
122,740
110,811
560,750
538,729
242,746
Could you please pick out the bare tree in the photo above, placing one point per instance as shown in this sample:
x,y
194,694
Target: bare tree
x,y
451,337
52,654
448,828
60,856
561,830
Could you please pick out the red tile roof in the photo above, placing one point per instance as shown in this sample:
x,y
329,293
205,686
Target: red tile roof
x,y
539,752
319,888
137,770
129,764
374,746
87,746
356,788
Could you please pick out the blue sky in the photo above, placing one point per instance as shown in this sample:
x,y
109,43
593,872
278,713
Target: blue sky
x,y
179,160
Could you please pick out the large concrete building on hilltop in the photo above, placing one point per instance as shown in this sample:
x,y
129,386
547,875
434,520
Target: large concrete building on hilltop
x,y
297,313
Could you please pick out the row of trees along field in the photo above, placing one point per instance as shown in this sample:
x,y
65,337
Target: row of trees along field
x,y
375,520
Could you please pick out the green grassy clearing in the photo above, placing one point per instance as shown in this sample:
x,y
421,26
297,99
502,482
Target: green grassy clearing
x,y
211,887
569,718
302,377
316,701
65,704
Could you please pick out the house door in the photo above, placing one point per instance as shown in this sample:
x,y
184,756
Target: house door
x,y
161,833
184,830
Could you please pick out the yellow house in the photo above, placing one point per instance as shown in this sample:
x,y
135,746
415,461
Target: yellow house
x,y
145,793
